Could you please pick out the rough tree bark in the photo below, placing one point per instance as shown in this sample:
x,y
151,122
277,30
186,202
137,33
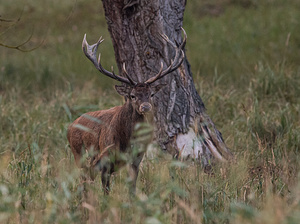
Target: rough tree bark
x,y
182,126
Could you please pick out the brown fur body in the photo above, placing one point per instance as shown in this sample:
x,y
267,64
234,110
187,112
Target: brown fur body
x,y
103,135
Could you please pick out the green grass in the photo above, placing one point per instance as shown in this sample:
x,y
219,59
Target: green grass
x,y
246,68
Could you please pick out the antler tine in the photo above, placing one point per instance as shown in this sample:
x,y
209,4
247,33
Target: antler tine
x,y
182,45
178,59
90,52
127,75
153,79
173,67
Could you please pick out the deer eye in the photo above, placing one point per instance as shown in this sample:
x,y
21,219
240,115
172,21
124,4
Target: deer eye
x,y
132,97
152,95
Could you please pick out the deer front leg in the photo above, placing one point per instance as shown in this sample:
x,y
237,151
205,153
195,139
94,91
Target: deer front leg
x,y
133,172
105,179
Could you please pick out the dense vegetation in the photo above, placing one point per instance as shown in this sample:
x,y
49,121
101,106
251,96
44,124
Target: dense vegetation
x,y
245,57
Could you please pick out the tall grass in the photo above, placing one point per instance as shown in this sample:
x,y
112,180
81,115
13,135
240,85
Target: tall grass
x,y
245,61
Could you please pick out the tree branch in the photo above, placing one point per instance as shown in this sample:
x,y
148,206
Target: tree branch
x,y
18,47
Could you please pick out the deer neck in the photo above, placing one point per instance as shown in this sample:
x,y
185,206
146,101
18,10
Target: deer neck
x,y
132,116
129,118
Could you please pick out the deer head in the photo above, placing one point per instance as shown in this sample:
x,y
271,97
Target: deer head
x,y
139,94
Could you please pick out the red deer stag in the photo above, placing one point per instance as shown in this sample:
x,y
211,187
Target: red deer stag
x,y
106,134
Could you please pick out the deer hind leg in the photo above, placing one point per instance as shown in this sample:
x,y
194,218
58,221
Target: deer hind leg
x,y
89,199
83,196
87,177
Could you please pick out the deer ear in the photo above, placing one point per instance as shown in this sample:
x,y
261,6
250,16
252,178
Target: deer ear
x,y
157,88
123,90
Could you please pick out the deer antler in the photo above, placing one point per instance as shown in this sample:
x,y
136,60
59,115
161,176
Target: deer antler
x,y
91,50
128,77
178,59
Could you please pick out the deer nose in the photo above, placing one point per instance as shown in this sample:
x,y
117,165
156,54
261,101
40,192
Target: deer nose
x,y
145,107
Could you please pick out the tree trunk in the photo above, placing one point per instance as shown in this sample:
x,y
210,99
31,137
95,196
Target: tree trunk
x,y
182,126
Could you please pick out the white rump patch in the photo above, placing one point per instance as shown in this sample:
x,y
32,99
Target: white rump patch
x,y
189,145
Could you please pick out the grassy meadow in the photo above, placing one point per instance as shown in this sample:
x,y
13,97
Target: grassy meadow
x,y
245,58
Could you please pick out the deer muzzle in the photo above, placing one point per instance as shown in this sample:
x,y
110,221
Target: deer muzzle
x,y
145,108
